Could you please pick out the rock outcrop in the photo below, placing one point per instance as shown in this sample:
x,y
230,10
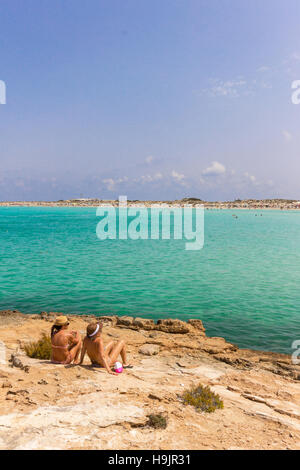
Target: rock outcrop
x,y
173,326
125,321
198,325
82,407
149,349
168,325
144,323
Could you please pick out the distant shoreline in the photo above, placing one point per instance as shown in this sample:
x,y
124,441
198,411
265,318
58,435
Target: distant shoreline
x,y
278,204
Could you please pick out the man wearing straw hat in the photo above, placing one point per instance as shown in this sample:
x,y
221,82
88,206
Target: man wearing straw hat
x,y
66,345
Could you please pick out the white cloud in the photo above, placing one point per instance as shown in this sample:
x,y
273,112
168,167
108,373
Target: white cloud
x,y
295,56
252,178
266,85
177,176
149,178
263,68
239,86
229,88
149,159
287,135
214,169
111,183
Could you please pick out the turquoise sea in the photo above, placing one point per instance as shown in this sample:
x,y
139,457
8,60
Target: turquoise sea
x,y
244,284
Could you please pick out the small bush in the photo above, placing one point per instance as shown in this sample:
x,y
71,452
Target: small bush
x,y
157,421
40,349
202,398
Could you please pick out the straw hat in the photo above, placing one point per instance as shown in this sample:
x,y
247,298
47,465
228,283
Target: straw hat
x,y
61,321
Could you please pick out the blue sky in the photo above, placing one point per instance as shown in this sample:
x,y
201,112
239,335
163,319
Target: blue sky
x,y
150,99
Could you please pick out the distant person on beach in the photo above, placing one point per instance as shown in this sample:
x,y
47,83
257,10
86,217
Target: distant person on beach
x,y
100,355
66,345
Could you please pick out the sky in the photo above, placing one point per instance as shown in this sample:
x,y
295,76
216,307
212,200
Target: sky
x,y
149,99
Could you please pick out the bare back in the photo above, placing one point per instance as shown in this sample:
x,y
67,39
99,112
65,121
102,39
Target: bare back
x,y
100,355
61,344
93,349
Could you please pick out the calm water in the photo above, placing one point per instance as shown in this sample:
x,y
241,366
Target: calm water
x,y
244,283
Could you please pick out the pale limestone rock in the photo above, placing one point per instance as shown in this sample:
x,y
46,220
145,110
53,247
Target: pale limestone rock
x,y
2,353
149,349
86,408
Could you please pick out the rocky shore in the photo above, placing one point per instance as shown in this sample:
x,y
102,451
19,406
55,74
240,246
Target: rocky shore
x,y
46,406
258,204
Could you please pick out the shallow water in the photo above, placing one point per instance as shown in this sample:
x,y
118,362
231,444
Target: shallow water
x,y
244,283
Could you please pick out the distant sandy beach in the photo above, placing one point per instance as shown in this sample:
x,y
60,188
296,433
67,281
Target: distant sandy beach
x,y
279,204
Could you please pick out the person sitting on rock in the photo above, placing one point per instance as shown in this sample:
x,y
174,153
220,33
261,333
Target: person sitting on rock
x,y
100,355
66,345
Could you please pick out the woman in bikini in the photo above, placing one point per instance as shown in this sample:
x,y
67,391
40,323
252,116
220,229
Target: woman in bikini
x,y
100,355
66,345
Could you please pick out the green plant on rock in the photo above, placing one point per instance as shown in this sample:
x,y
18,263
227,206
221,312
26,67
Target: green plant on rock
x,y
157,421
202,398
40,349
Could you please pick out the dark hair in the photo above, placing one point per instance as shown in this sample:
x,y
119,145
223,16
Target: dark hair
x,y
55,329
